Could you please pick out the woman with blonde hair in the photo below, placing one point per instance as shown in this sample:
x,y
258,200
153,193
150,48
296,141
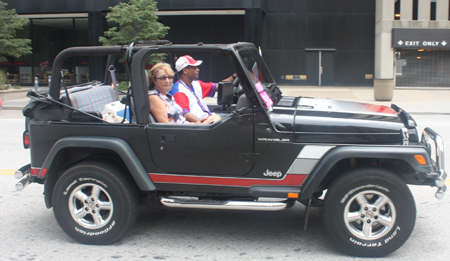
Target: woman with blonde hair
x,y
162,105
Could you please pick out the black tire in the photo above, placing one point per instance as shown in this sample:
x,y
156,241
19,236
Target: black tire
x,y
94,203
388,219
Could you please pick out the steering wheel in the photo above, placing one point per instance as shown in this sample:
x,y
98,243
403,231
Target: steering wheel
x,y
236,82
237,90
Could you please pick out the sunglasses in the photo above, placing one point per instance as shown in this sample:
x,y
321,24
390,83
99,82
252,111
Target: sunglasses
x,y
163,78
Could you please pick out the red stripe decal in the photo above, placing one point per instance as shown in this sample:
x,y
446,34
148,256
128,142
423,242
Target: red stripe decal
x,y
379,108
289,179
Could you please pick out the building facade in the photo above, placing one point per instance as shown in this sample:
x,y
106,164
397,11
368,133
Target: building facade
x,y
411,46
304,42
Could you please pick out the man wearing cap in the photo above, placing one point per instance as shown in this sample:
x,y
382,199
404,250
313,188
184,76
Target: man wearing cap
x,y
189,92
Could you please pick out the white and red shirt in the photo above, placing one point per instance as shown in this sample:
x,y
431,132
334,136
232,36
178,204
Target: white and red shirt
x,y
174,112
190,98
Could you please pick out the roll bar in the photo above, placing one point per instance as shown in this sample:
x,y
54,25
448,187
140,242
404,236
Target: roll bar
x,y
55,85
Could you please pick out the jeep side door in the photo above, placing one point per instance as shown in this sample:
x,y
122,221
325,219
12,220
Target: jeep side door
x,y
222,148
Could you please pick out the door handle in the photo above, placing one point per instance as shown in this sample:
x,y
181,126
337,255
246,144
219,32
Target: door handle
x,y
168,138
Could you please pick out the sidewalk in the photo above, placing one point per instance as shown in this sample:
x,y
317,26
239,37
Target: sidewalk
x,y
433,101
16,101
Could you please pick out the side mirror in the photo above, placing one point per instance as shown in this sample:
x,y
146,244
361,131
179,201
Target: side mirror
x,y
225,93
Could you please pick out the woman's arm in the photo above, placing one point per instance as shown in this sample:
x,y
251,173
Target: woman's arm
x,y
158,109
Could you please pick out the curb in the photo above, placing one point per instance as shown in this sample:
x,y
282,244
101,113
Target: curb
x,y
11,107
429,113
14,94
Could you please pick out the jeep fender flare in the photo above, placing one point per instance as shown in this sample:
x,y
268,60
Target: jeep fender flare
x,y
121,147
320,171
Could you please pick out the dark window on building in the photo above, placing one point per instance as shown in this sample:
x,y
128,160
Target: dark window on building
x,y
397,10
49,36
433,11
415,6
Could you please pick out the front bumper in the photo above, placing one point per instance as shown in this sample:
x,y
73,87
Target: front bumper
x,y
435,148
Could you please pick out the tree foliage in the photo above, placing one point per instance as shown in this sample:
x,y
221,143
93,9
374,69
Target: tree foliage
x,y
9,44
136,21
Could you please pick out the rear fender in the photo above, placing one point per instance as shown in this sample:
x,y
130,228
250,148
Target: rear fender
x,y
119,146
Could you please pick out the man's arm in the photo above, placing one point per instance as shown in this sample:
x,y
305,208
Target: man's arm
x,y
230,79
209,88
192,118
183,101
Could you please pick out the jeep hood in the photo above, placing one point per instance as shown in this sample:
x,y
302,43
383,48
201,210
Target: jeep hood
x,y
341,122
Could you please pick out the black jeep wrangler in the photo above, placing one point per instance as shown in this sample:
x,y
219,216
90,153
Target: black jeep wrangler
x,y
353,159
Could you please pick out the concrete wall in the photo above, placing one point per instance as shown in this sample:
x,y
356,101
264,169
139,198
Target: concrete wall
x,y
384,53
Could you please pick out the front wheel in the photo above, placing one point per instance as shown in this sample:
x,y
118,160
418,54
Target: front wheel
x,y
369,212
94,203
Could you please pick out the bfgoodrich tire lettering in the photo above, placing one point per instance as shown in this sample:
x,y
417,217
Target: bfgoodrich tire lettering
x,y
94,203
369,212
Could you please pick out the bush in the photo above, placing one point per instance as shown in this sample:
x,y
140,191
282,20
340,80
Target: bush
x,y
123,86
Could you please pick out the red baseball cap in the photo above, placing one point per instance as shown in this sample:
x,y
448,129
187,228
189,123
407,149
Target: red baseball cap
x,y
185,61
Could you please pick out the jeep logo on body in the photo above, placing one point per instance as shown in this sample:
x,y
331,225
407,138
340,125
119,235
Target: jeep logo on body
x,y
270,173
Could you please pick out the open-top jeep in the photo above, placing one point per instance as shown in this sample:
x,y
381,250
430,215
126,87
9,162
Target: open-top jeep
x,y
266,153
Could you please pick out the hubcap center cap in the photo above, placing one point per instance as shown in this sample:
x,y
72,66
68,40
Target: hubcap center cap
x,y
369,214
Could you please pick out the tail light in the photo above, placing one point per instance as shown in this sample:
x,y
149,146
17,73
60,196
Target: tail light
x,y
26,139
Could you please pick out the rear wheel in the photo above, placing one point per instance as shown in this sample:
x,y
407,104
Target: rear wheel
x,y
369,212
94,203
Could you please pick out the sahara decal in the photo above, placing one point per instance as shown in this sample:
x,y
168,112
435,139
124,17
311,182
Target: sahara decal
x,y
273,140
308,158
307,103
314,151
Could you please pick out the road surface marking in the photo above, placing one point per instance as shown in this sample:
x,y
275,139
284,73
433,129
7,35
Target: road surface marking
x,y
7,172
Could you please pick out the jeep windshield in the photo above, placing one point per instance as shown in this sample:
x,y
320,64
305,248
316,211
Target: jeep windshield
x,y
260,76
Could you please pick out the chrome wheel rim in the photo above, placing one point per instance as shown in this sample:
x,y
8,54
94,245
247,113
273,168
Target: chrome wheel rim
x,y
90,206
369,215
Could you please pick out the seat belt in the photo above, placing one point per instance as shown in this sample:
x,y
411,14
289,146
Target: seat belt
x,y
63,83
112,70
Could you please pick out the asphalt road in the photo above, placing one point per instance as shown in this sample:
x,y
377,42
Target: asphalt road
x,y
29,231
